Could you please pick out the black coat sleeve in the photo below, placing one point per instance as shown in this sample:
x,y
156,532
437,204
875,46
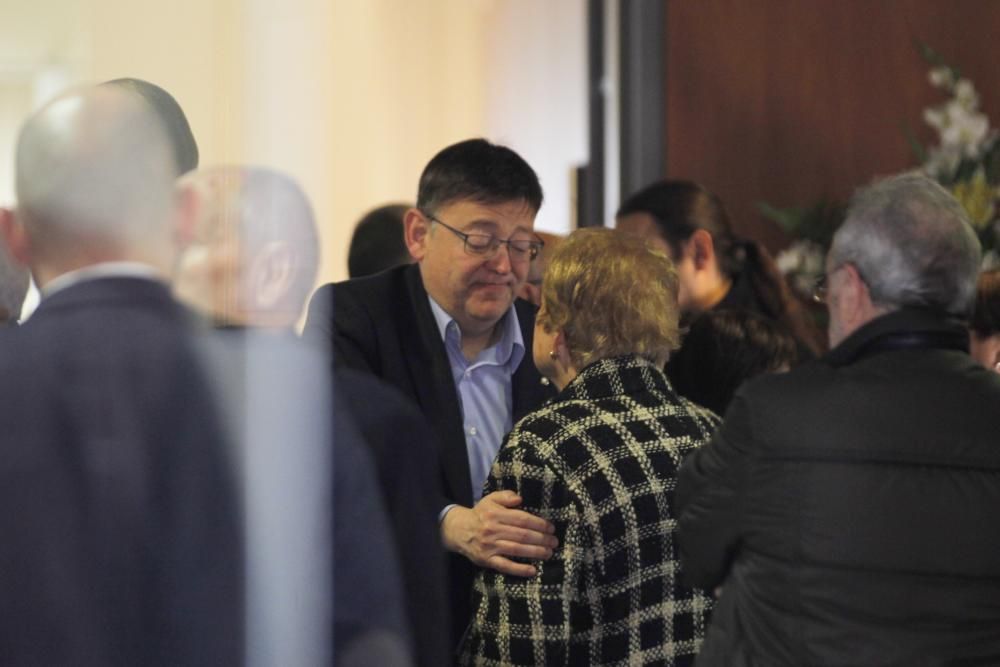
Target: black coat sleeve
x,y
711,495
338,321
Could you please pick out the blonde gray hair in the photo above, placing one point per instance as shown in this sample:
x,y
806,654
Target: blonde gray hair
x,y
611,295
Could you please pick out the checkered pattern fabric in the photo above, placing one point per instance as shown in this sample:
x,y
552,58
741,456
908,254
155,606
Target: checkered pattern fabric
x,y
599,462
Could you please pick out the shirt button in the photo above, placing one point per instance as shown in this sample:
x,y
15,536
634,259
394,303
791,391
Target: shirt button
x,y
473,431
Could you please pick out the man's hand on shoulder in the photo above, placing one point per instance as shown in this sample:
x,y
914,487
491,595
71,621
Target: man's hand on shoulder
x,y
493,531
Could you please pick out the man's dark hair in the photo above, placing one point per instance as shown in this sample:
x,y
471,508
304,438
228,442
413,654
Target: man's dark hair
x,y
377,243
479,171
171,115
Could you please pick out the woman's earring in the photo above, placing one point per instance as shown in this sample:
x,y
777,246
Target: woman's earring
x,y
553,356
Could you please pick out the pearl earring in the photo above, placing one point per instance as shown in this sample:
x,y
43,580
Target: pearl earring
x,y
553,356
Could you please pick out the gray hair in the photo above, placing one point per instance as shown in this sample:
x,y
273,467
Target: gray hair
x,y
912,244
95,165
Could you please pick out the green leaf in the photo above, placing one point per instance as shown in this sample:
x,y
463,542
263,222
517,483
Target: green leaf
x,y
918,150
932,57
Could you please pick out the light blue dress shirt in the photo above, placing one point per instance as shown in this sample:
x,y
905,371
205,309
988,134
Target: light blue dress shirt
x,y
484,390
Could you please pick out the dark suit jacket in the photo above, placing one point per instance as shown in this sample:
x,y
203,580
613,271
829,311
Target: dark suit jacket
x,y
849,508
276,395
383,325
408,479
120,534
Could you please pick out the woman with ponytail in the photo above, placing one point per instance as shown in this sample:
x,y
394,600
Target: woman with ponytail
x,y
717,271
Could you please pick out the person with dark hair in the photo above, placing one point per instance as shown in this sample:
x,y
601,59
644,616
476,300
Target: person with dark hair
x,y
848,508
377,243
985,326
170,113
717,270
722,350
448,333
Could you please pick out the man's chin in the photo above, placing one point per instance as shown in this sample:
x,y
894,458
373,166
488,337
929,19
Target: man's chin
x,y
491,309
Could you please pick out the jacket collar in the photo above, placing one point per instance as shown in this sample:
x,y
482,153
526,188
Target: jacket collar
x,y
907,328
628,374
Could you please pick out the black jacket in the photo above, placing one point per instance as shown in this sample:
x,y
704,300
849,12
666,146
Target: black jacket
x,y
120,528
849,508
383,325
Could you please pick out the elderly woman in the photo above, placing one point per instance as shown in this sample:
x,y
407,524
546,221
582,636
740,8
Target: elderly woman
x,y
599,462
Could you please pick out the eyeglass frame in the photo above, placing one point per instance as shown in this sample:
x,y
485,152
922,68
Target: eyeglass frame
x,y
821,287
490,250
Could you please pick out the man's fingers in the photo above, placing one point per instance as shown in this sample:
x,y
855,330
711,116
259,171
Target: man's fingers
x,y
505,498
520,550
520,519
523,536
507,566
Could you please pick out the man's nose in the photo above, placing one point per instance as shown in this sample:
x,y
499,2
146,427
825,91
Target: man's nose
x,y
501,260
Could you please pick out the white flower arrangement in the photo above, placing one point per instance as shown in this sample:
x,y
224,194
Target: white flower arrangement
x,y
966,159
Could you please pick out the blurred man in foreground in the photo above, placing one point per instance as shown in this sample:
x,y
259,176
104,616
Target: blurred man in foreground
x,y
121,535
249,260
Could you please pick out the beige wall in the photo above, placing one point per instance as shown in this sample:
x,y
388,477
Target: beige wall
x,y
352,97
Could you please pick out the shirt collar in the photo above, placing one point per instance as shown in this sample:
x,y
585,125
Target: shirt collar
x,y
510,347
102,270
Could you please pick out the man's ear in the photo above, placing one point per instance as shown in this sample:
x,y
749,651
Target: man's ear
x,y
14,236
855,298
271,273
416,229
701,247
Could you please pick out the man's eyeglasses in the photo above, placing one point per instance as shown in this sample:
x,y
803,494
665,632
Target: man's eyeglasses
x,y
486,245
822,284
819,289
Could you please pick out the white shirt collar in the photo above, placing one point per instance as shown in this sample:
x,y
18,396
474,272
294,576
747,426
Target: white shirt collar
x,y
101,270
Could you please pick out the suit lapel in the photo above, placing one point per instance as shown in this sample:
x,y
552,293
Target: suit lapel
x,y
430,373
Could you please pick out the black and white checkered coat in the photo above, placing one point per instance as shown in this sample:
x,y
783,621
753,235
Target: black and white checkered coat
x,y
599,461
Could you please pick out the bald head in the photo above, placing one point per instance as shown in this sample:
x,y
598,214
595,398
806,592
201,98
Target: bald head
x,y
94,174
251,255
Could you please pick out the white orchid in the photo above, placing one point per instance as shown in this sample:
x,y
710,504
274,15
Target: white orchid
x,y
802,263
965,94
965,130
942,77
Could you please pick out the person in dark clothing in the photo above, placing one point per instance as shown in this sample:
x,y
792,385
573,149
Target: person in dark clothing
x,y
249,260
848,508
723,349
377,243
717,270
449,334
122,533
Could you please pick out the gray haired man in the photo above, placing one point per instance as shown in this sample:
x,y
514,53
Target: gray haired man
x,y
848,508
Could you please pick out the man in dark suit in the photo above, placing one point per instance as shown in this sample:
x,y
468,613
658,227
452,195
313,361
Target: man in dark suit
x,y
448,333
121,536
848,508
249,260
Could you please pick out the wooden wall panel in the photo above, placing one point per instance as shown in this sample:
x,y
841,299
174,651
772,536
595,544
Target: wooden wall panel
x,y
789,100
